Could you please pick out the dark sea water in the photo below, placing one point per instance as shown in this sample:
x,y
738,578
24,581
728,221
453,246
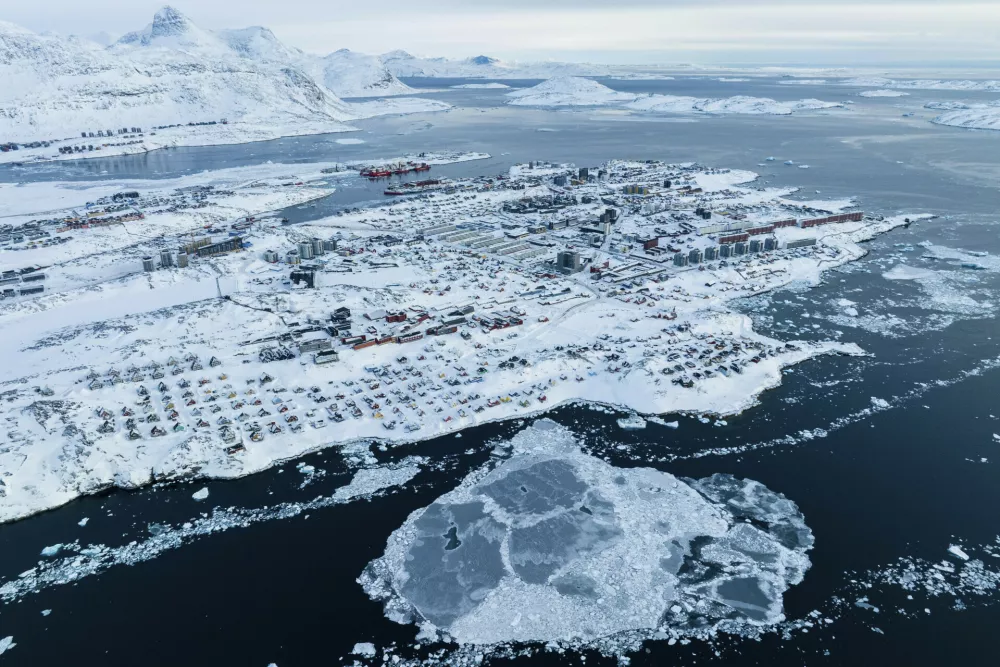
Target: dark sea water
x,y
901,477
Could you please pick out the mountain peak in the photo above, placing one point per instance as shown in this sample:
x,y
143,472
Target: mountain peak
x,y
484,60
170,28
169,22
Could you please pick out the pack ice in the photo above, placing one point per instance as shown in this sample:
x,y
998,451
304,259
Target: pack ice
x,y
557,545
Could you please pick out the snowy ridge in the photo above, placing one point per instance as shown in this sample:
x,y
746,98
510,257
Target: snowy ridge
x,y
577,91
172,72
404,64
974,116
568,91
353,74
923,84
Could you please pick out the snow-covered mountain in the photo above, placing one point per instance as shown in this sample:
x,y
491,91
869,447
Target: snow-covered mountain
x,y
171,29
173,72
353,74
403,64
257,43
568,91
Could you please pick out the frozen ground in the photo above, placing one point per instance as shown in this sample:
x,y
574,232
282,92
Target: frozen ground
x,y
556,545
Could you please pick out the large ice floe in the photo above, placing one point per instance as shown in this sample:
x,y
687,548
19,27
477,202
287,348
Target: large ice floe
x,y
557,545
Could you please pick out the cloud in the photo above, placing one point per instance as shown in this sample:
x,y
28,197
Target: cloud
x,y
705,29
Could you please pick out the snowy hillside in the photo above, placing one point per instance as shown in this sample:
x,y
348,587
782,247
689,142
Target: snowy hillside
x,y
576,91
174,73
972,116
568,91
351,74
923,84
346,73
739,104
403,64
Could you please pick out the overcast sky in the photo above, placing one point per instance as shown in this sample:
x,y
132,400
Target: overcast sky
x,y
804,32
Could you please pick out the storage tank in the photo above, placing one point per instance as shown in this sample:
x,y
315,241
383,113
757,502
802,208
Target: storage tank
x,y
318,249
182,260
166,259
292,257
305,250
148,264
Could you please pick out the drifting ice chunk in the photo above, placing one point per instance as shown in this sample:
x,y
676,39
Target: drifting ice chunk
x,y
200,495
958,552
554,544
364,649
51,551
632,423
6,644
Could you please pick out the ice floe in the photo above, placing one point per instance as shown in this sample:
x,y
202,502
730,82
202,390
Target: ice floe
x,y
557,545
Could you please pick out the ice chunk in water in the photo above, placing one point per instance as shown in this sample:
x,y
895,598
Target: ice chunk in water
x,y
52,550
554,544
365,649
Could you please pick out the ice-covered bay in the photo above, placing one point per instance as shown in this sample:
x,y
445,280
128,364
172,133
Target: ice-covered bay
x,y
557,545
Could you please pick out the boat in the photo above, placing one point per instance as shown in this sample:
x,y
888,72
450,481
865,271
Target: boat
x,y
632,423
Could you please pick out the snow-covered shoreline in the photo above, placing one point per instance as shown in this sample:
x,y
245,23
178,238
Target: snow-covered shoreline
x,y
94,284
229,134
569,92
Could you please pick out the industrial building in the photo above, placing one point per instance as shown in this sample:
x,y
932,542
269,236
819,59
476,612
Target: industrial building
x,y
325,357
568,261
316,344
229,245
308,276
